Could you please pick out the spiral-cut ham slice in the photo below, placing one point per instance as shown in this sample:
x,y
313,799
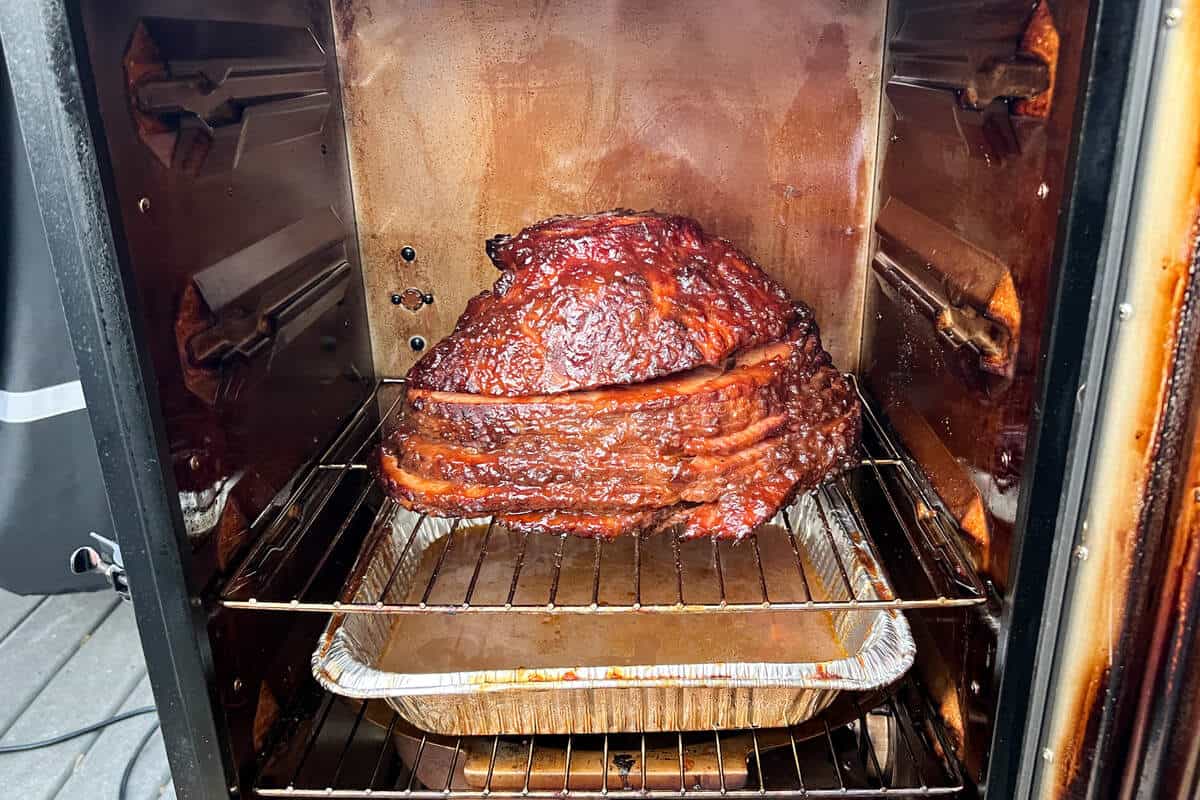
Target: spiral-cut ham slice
x,y
715,450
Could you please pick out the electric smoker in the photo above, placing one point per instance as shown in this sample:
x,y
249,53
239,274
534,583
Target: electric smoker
x,y
260,216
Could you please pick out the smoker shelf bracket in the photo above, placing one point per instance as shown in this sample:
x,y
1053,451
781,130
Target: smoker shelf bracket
x,y
966,292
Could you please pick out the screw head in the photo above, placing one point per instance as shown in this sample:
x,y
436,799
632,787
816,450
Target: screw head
x,y
1125,310
1043,191
1047,754
408,254
417,343
144,205
1173,17
1082,553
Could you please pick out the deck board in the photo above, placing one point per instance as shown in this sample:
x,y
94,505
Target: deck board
x,y
14,608
70,660
98,773
43,643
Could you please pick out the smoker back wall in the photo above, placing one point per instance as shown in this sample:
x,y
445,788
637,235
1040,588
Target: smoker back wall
x,y
469,120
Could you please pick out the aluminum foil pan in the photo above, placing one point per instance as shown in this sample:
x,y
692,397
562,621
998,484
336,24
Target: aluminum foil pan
x,y
532,671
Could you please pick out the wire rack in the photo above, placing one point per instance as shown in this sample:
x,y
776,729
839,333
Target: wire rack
x,y
911,517
889,748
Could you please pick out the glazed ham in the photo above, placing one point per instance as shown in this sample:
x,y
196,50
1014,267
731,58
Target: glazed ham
x,y
606,299
712,418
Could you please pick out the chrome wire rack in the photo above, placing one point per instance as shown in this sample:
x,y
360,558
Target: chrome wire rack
x,y
882,746
739,576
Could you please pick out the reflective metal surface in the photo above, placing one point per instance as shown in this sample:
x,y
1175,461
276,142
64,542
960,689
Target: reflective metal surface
x,y
466,121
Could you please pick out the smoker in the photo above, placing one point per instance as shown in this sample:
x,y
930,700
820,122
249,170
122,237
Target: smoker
x,y
260,215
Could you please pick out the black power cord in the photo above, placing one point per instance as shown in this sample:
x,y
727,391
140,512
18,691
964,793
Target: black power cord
x,y
64,737
95,726
137,751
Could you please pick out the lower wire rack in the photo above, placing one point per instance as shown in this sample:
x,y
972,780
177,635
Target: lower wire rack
x,y
878,745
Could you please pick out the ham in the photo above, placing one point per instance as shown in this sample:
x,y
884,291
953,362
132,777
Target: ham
x,y
742,410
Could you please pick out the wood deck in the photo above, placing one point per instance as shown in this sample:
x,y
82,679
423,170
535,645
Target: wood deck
x,y
67,661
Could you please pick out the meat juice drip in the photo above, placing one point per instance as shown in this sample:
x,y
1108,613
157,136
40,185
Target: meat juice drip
x,y
427,643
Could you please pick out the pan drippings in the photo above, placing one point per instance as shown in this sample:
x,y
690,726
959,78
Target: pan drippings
x,y
537,640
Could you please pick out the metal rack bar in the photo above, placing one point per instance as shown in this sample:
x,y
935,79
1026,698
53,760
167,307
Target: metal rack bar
x,y
483,549
512,587
720,570
645,788
387,587
828,531
437,568
912,754
596,561
762,576
870,746
758,764
416,765
787,523
558,559
720,761
795,760
487,783
383,749
678,568
566,766
296,535
341,762
637,571
682,766
333,543
833,757
603,768
529,763
312,740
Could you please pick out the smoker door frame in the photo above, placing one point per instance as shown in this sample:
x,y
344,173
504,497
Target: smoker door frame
x,y
1094,218
58,125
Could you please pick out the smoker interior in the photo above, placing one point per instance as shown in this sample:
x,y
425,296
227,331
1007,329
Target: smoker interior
x,y
301,196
